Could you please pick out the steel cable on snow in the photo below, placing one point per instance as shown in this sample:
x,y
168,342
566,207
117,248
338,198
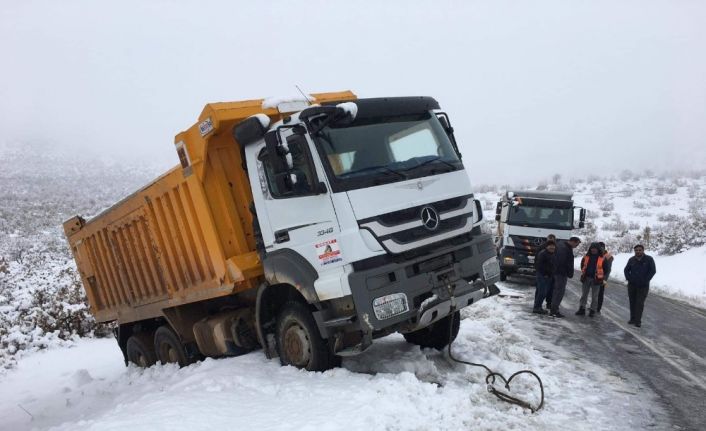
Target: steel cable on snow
x,y
492,375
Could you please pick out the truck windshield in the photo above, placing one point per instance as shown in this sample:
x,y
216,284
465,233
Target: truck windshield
x,y
386,149
535,216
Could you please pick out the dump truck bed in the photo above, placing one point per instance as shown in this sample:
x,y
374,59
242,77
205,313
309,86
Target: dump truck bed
x,y
185,237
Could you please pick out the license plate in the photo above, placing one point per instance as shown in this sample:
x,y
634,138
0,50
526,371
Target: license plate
x,y
530,259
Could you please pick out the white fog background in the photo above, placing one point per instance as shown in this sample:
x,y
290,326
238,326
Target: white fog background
x,y
533,88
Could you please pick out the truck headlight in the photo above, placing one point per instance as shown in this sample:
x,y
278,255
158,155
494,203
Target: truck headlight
x,y
508,260
491,268
390,305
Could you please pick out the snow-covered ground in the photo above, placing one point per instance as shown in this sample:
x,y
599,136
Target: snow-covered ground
x,y
392,386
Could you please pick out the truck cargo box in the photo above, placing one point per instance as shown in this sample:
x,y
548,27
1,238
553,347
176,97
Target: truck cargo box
x,y
185,237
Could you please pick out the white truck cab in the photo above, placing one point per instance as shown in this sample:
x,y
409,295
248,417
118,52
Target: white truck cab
x,y
366,210
525,219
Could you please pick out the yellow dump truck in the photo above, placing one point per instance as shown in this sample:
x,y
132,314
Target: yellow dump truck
x,y
306,227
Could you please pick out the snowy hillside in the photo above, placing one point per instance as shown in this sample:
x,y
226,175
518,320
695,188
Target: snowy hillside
x,y
666,213
41,299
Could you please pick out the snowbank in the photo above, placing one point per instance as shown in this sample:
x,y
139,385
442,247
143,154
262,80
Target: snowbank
x,y
393,386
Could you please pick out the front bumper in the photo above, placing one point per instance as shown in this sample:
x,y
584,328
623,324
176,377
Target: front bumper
x,y
515,260
434,284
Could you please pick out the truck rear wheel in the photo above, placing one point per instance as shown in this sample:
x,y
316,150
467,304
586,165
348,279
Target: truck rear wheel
x,y
140,350
168,347
299,342
438,334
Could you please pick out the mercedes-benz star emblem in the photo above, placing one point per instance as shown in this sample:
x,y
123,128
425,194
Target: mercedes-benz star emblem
x,y
430,218
538,241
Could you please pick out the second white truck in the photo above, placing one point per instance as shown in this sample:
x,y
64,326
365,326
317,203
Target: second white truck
x,y
525,219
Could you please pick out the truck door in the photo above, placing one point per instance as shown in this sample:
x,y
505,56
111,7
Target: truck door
x,y
298,211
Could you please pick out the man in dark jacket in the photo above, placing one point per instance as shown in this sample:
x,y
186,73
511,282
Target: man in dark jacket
x,y
607,267
544,264
638,272
563,270
592,276
551,237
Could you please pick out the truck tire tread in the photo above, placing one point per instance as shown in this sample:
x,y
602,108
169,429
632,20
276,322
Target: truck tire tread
x,y
297,313
169,348
140,349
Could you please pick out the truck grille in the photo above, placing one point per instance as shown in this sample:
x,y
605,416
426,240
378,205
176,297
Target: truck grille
x,y
403,230
530,244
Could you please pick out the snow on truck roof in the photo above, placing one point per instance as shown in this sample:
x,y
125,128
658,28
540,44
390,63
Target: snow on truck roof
x,y
539,194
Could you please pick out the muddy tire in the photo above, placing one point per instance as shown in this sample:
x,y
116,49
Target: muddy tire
x,y
298,340
437,334
140,349
168,347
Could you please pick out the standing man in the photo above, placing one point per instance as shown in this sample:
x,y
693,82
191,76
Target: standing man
x,y
551,237
607,266
592,275
638,272
564,270
545,275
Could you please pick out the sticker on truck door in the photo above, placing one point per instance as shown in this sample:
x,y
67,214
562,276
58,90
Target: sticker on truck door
x,y
328,252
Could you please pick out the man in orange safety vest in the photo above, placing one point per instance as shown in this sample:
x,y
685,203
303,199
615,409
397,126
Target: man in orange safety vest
x,y
592,276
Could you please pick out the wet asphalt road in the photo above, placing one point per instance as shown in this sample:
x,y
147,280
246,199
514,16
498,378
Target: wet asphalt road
x,y
668,352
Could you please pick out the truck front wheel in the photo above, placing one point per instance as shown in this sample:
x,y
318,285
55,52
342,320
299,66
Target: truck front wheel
x,y
438,334
168,347
140,350
299,342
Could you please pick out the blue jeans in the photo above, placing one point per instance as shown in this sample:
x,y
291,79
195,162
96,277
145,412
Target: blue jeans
x,y
544,284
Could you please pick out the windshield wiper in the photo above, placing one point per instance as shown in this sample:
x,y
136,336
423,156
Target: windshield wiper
x,y
382,169
435,159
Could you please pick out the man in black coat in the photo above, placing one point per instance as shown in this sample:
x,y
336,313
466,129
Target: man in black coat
x,y
638,272
544,264
551,237
563,270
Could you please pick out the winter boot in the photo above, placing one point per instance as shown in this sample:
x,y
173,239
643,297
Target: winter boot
x,y
581,312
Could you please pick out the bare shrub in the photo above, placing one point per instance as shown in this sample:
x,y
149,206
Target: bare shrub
x,y
626,175
627,192
667,217
606,205
486,188
617,224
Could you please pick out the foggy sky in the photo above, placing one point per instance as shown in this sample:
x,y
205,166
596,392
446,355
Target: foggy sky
x,y
532,88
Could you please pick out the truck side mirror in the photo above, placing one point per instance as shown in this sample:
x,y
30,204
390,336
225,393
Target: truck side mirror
x,y
444,120
300,156
274,154
250,129
498,211
582,218
479,210
446,124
